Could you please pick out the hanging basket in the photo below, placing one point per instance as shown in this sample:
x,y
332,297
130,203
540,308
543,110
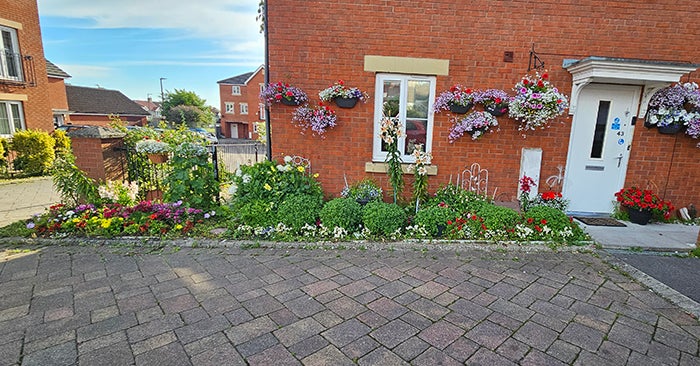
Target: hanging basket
x,y
497,110
460,109
640,217
345,102
158,158
286,101
670,129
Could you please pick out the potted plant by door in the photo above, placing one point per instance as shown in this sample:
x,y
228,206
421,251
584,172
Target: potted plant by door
x,y
642,205
342,95
458,100
156,150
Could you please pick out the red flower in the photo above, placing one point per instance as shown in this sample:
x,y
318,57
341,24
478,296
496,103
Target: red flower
x,y
530,220
278,96
540,84
497,101
289,93
538,228
543,222
545,76
525,82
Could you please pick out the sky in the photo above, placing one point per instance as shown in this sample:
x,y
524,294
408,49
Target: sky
x,y
128,45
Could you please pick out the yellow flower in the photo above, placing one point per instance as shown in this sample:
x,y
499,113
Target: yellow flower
x,y
315,175
76,220
300,169
105,224
178,227
267,187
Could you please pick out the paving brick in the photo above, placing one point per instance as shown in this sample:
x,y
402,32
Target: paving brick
x,y
250,330
115,354
372,319
488,334
470,309
298,331
201,329
441,334
513,350
257,345
107,326
360,347
304,306
429,309
393,333
434,356
537,358
681,342
170,354
387,308
155,327
563,351
346,307
327,356
276,355
346,332
381,356
536,336
62,354
487,357
582,336
430,289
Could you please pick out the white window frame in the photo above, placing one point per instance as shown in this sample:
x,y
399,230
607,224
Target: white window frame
x,y
244,108
377,154
261,111
229,108
6,104
7,50
235,90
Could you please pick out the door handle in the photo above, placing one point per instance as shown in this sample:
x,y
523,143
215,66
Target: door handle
x,y
619,160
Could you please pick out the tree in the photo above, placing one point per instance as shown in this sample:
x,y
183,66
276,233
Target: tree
x,y
182,106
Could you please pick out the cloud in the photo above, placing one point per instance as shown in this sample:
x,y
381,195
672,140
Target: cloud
x,y
86,71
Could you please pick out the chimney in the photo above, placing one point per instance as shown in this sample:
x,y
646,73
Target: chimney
x,y
150,100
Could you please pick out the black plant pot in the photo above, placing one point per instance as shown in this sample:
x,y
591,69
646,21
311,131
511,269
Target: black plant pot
x,y
497,110
640,217
286,101
670,129
345,102
460,109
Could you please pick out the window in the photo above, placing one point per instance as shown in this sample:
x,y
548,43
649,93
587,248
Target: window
x,y
10,59
11,118
235,90
230,108
244,108
411,99
261,111
262,87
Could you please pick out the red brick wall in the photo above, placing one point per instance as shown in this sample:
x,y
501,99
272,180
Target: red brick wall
x,y
313,43
37,110
100,159
57,93
249,94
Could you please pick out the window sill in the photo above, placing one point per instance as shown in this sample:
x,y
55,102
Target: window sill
x,y
372,167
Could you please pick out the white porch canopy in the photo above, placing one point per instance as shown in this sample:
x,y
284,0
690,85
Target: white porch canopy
x,y
653,75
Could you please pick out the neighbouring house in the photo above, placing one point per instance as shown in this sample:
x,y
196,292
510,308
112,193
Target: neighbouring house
x,y
96,106
24,85
153,108
57,94
240,104
607,57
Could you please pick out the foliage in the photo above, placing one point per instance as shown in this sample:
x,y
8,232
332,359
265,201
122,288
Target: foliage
x,y
123,193
276,92
460,199
256,213
71,183
183,97
151,146
457,95
547,223
272,182
633,198
342,212
3,153
536,102
526,184
317,119
339,90
496,220
62,142
365,190
390,132
35,151
493,100
383,218
193,177
188,115
299,210
420,172
548,198
435,218
476,124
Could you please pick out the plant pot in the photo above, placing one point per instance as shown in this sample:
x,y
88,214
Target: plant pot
x,y
286,101
640,217
497,110
345,102
670,129
158,158
362,201
460,109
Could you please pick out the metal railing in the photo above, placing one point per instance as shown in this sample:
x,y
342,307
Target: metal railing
x,y
232,156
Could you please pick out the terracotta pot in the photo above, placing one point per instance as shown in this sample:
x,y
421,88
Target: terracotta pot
x,y
158,158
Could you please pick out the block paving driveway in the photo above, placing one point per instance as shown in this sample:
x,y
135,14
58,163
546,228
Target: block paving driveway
x,y
89,305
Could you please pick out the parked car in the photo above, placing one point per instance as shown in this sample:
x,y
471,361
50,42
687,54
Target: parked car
x,y
206,134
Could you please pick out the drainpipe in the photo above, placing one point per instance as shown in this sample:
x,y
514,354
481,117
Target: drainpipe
x,y
267,83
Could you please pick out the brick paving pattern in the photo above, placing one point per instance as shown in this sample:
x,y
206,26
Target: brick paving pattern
x,y
87,305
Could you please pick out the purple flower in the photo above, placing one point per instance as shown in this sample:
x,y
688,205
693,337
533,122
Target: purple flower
x,y
206,215
30,225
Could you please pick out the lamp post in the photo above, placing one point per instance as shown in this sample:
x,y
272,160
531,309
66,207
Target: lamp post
x,y
162,96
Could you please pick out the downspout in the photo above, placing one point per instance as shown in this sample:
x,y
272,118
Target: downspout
x,y
267,82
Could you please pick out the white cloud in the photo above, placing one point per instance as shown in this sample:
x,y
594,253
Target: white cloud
x,y
86,71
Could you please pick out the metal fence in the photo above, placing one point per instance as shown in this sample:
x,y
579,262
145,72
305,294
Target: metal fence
x,y
231,156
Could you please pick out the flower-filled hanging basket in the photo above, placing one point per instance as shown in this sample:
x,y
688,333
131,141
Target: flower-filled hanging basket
x,y
284,93
536,102
343,96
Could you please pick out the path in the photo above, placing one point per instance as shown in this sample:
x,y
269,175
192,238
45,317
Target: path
x,y
21,199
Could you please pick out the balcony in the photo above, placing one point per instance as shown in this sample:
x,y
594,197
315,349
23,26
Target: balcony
x,y
17,69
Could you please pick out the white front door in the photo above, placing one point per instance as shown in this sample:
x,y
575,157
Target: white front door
x,y
601,137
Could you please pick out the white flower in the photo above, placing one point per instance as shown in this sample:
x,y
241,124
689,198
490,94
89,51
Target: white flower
x,y
280,167
239,172
247,178
287,159
232,189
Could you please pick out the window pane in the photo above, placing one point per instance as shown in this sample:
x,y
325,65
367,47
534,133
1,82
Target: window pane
x,y
16,116
391,95
416,133
418,95
600,127
4,120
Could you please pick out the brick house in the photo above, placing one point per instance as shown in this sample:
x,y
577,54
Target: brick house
x,y
240,104
153,108
57,94
94,106
424,47
24,86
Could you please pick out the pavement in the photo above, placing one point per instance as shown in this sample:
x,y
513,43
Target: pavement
x,y
20,199
126,303
658,237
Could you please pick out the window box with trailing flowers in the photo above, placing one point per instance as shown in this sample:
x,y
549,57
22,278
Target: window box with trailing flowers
x,y
458,100
475,124
342,95
318,119
643,204
536,102
284,93
674,107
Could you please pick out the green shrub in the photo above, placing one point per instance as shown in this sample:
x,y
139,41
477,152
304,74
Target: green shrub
x,y
434,218
365,190
35,151
458,199
193,177
257,213
558,224
383,218
72,184
3,153
273,182
498,218
342,212
298,210
61,142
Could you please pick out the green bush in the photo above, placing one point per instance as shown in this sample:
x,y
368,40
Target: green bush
x,y
559,225
273,182
383,218
35,151
434,218
193,177
72,184
3,153
298,210
342,212
457,198
498,218
257,213
62,142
